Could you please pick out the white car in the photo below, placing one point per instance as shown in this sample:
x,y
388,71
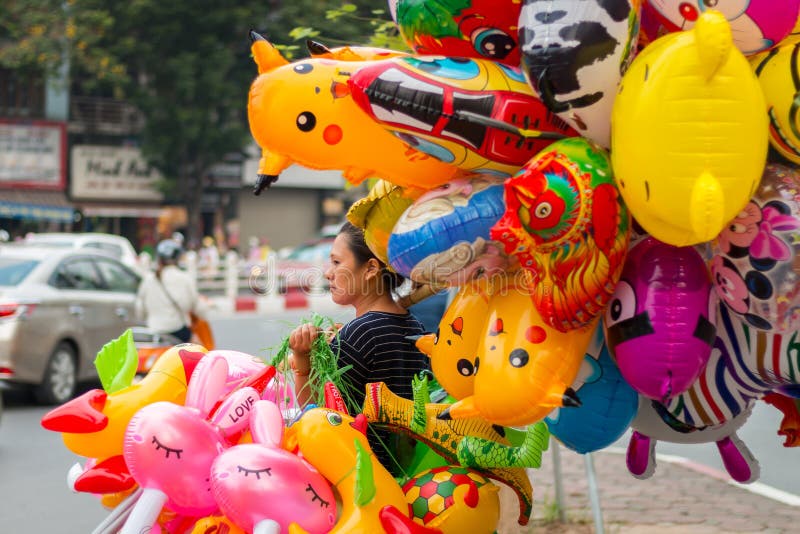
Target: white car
x,y
114,245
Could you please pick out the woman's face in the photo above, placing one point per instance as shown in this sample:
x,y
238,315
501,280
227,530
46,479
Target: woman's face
x,y
348,279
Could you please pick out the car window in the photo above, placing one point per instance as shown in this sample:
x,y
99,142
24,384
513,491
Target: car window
x,y
117,277
111,248
77,274
14,270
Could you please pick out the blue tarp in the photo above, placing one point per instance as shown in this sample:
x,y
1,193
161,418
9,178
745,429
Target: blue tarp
x,y
38,212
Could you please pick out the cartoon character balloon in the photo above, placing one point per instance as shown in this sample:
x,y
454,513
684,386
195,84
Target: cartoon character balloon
x,y
259,483
453,348
467,28
566,223
170,448
527,367
754,267
443,238
779,74
574,54
470,113
608,406
303,113
687,156
660,324
757,24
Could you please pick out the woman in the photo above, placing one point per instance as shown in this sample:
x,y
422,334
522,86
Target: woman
x,y
166,297
375,343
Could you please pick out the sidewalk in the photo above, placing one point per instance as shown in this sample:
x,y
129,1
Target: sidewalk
x,y
679,498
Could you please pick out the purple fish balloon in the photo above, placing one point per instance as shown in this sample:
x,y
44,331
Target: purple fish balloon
x,y
660,324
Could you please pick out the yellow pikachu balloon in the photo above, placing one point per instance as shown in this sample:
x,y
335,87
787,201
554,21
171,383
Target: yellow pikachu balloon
x,y
689,133
303,113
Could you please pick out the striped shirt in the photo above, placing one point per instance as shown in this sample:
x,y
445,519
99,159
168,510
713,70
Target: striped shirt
x,y
376,347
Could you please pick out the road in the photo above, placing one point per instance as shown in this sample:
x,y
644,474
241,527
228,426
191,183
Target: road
x,y
34,462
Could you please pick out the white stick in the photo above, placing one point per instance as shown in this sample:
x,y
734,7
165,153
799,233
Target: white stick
x,y
145,512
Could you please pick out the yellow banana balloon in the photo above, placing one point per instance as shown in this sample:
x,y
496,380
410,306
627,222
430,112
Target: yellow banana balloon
x,y
689,135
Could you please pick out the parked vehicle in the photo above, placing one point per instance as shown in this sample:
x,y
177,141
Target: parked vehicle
x,y
304,267
115,245
58,307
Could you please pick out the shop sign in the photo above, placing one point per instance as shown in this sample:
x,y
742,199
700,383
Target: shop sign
x,y
110,172
33,155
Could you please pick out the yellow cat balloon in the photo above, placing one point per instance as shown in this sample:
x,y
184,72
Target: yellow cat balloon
x,y
689,133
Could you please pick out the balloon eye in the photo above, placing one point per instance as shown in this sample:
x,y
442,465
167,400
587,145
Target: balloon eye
x,y
303,68
518,358
710,3
465,367
335,419
306,121
436,337
493,43
622,305
543,210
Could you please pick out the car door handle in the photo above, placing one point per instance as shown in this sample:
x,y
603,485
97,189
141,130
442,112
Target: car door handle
x,y
76,310
122,313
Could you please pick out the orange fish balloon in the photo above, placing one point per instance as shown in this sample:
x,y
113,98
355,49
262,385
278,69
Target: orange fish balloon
x,y
303,113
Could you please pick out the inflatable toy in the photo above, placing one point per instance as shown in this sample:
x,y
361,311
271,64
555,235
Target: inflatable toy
x,y
474,114
687,156
745,365
330,441
442,239
452,349
454,499
169,448
216,524
470,28
260,484
649,427
608,406
754,267
377,213
420,419
527,367
757,24
566,223
303,112
660,324
93,425
779,75
574,55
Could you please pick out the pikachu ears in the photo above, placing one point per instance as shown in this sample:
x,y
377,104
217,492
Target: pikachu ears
x,y
265,54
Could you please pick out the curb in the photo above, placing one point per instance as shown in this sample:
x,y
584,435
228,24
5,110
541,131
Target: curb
x,y
291,301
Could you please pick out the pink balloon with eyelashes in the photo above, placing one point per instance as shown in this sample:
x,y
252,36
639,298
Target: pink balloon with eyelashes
x,y
260,484
169,449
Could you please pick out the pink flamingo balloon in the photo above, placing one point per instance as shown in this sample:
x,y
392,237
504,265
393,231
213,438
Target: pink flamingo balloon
x,y
169,448
258,485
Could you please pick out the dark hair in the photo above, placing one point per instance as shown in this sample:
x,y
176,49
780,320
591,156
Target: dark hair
x,y
358,246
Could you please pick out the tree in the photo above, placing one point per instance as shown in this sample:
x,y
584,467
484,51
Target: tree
x,y
185,65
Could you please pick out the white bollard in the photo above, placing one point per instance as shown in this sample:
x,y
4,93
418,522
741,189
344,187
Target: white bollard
x,y
231,275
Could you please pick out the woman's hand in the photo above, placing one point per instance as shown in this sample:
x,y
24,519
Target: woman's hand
x,y
300,341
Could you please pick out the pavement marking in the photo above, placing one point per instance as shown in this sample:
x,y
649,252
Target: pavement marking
x,y
758,488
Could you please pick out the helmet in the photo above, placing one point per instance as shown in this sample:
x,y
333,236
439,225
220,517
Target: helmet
x,y
168,250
